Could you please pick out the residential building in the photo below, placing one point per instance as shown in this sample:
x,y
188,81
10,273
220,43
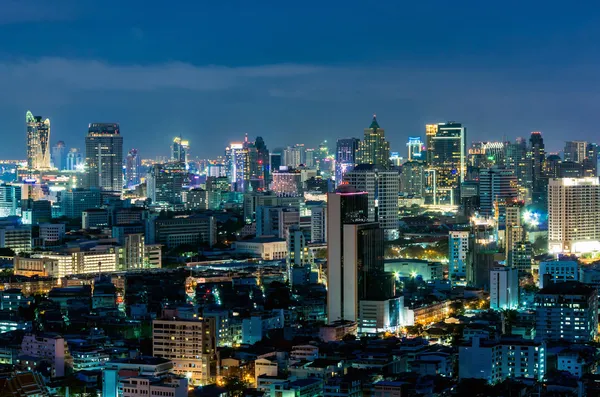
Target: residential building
x,y
50,347
504,288
458,256
558,271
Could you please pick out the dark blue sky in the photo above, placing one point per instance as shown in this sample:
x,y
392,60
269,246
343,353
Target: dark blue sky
x,y
297,71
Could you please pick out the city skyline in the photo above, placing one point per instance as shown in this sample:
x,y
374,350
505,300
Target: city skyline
x,y
321,84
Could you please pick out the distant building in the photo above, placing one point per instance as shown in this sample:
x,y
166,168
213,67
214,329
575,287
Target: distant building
x,y
194,230
73,202
374,149
458,256
165,183
504,288
133,169
104,157
558,271
52,348
59,156
266,248
38,142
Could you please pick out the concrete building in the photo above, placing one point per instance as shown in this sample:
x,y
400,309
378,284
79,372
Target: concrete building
x,y
94,218
50,347
458,256
73,202
496,185
194,230
190,345
504,288
413,268
318,224
171,386
382,187
276,221
104,157
574,215
266,248
52,232
558,271
567,311
17,238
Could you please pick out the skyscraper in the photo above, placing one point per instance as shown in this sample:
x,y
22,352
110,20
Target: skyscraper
x,y
374,149
59,156
590,164
293,156
574,215
504,288
496,185
448,159
575,151
414,146
179,150
537,154
382,187
104,157
133,168
345,157
430,131
238,167
38,142
458,257
74,159
263,160
165,182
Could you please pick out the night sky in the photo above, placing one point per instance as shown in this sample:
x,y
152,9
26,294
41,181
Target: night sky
x,y
297,71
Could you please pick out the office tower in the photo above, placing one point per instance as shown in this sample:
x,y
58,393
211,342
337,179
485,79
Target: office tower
x,y
322,155
566,311
59,156
198,230
412,178
430,131
287,182
574,215
133,169
575,151
10,200
414,146
395,159
190,345
552,166
310,158
496,185
293,156
374,149
298,258
75,160
104,157
458,256
276,221
345,157
318,224
74,201
448,160
179,150
570,169
346,206
382,187
165,183
264,162
504,288
515,158
38,142
34,212
590,164
486,154
238,167
17,238
537,155
275,160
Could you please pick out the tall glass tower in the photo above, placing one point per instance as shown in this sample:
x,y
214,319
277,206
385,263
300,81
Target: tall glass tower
x,y
104,157
38,142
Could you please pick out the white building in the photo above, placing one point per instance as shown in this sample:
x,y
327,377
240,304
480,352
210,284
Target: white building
x,y
190,344
304,352
381,315
265,366
495,361
504,288
458,247
558,271
318,224
574,215
52,231
382,187
172,386
53,348
267,248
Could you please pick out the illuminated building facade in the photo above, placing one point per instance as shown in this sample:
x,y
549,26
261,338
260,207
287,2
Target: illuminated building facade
x,y
448,159
345,157
458,256
165,183
414,146
575,151
287,182
374,149
238,166
133,168
179,150
104,157
537,156
574,215
38,142
496,185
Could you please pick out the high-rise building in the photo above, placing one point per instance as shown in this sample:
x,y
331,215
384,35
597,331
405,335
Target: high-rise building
x,y
165,182
263,162
104,157
430,131
590,164
345,207
566,311
294,156
504,288
537,156
496,185
286,182
516,246
414,146
133,168
574,215
276,221
59,156
190,345
298,257
412,178
382,187
10,200
318,224
374,149
458,256
179,150
38,142
515,158
238,166
448,159
575,151
74,201
345,157
75,160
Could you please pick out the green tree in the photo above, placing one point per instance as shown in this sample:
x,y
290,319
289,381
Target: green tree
x,y
235,386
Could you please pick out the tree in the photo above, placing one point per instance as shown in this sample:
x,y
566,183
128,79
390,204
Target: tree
x,y
6,252
235,386
278,296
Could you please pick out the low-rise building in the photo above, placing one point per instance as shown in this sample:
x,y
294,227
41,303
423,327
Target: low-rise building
x,y
266,247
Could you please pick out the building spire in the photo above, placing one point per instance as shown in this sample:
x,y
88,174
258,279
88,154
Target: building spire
x,y
374,124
